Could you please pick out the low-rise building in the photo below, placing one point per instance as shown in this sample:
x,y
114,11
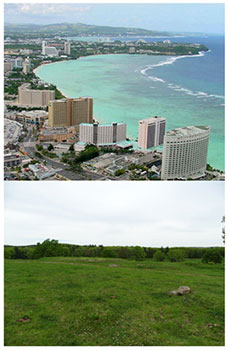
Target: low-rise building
x,y
57,135
12,160
37,117
8,66
42,172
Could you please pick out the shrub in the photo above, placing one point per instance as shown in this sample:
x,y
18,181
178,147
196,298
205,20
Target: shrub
x,y
8,252
50,147
138,253
109,253
212,255
123,253
175,255
39,147
159,256
119,172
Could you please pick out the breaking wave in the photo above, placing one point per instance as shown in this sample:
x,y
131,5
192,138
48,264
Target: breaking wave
x,y
175,87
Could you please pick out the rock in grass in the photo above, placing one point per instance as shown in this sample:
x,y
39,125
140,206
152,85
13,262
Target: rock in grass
x,y
24,319
182,290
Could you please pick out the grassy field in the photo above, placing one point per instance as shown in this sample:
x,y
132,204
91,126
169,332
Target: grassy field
x,y
82,301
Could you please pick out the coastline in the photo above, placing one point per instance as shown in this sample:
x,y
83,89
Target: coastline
x,y
173,59
44,64
99,117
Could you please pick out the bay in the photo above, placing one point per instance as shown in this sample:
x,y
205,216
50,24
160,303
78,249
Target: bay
x,y
127,88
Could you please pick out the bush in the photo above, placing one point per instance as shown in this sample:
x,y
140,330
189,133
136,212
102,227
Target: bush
x,y
175,255
90,152
9,253
39,147
50,147
138,253
109,253
119,172
37,154
159,256
124,253
212,255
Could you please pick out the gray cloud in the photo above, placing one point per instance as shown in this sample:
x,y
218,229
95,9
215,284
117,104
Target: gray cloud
x,y
149,214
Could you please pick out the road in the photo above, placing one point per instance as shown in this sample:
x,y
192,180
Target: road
x,y
29,147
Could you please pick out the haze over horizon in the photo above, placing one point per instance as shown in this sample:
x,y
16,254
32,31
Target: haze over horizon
x,y
146,214
180,18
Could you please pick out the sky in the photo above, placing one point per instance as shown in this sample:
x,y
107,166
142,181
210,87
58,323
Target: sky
x,y
150,214
176,17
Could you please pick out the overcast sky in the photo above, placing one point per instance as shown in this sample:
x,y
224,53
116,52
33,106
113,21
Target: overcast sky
x,y
180,17
122,213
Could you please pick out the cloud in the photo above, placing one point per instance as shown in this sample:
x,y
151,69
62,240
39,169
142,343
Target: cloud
x,y
45,9
148,214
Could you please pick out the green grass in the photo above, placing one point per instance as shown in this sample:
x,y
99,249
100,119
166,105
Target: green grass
x,y
86,302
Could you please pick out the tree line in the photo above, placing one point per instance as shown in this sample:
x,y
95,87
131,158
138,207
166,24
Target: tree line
x,y
52,248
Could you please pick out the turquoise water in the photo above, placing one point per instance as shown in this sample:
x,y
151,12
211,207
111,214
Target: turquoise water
x,y
127,88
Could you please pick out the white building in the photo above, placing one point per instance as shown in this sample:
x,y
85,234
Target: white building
x,y
43,47
67,48
48,50
17,63
185,153
151,132
102,134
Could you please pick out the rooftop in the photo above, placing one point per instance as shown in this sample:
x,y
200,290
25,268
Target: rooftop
x,y
151,119
54,131
110,124
34,113
188,131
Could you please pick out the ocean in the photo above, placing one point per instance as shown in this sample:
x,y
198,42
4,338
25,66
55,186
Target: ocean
x,y
126,88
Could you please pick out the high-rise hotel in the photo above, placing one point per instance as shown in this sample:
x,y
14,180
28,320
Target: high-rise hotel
x,y
30,97
185,153
151,132
70,112
102,134
67,47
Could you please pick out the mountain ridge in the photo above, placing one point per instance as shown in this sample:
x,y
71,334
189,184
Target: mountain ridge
x,y
80,29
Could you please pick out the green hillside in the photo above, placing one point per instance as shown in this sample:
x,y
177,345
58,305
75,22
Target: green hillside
x,y
78,29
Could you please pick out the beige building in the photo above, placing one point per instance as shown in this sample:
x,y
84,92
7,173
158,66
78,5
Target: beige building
x,y
8,66
26,66
101,134
70,112
151,132
30,97
185,153
67,48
